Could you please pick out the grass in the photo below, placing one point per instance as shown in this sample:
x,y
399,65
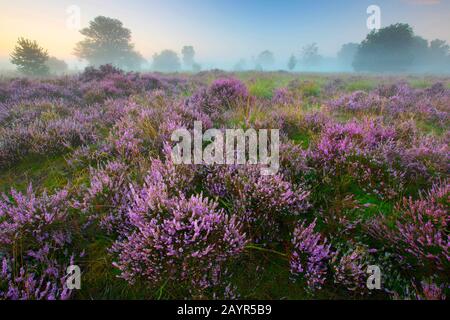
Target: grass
x,y
361,85
49,173
262,88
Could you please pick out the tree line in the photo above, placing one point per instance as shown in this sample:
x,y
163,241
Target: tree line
x,y
106,41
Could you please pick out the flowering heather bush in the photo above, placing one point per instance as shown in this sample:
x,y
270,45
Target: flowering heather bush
x,y
353,150
260,202
184,241
44,137
178,179
66,89
26,286
283,96
399,101
92,73
223,95
34,241
431,291
106,198
350,270
419,233
310,256
370,167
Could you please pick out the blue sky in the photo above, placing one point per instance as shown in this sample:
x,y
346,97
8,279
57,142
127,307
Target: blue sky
x,y
221,30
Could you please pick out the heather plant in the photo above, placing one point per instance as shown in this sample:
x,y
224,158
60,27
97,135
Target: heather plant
x,y
419,235
45,136
105,200
184,241
100,73
282,96
352,150
368,164
350,270
430,291
260,202
35,244
223,95
397,102
310,256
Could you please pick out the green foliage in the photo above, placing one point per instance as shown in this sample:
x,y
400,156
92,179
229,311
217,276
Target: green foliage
x,y
166,61
108,42
262,88
188,53
56,66
30,58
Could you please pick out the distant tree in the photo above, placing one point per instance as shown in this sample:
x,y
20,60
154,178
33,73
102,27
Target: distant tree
x,y
292,63
310,55
166,61
133,61
240,65
419,49
106,42
188,53
347,53
265,59
439,49
196,67
57,66
388,49
30,58
439,56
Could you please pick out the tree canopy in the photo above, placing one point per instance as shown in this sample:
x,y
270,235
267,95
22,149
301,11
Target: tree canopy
x,y
266,59
57,66
188,53
310,55
30,58
166,61
107,41
292,63
388,49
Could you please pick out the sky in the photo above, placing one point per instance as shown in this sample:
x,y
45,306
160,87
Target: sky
x,y
221,31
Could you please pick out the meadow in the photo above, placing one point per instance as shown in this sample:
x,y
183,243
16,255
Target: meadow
x,y
87,179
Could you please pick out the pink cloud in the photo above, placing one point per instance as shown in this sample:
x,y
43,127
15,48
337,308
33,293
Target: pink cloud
x,y
423,2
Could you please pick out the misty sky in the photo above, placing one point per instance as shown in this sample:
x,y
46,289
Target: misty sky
x,y
222,31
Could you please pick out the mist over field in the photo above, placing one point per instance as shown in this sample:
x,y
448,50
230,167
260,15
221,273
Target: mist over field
x,y
231,35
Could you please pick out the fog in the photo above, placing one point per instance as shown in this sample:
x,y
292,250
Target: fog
x,y
297,36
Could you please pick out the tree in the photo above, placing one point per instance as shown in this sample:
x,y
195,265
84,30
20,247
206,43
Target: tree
x,y
133,61
439,49
240,65
292,63
107,42
166,61
188,53
196,67
30,58
347,53
310,55
57,66
388,49
265,59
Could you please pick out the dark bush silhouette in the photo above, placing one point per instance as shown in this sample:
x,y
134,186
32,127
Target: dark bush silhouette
x,y
92,73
